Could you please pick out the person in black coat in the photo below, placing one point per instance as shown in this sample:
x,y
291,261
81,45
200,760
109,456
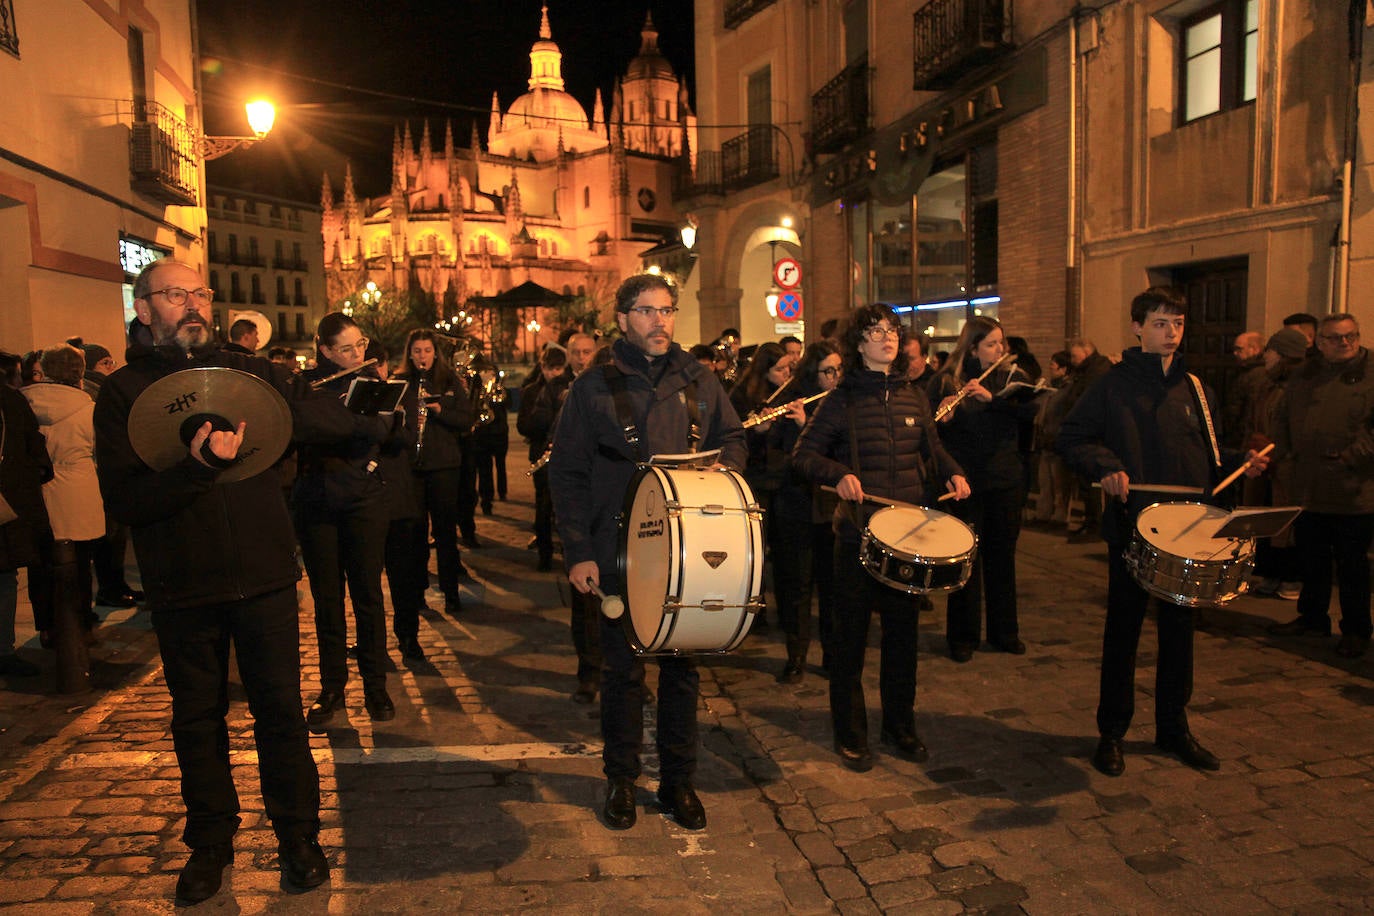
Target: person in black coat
x,y
873,435
983,435
1143,423
539,403
490,438
341,521
24,467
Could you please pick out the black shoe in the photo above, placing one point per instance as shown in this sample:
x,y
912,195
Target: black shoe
x,y
545,564
410,649
793,671
1299,627
960,651
135,593
906,744
680,802
1352,646
378,704
116,599
322,710
923,604
1013,645
18,667
620,804
584,693
1186,748
203,873
857,759
453,606
303,864
486,508
1109,758
463,573
471,543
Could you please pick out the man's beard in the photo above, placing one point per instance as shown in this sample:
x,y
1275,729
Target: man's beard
x,y
191,334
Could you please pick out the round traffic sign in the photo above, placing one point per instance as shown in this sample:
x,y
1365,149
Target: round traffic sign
x,y
787,273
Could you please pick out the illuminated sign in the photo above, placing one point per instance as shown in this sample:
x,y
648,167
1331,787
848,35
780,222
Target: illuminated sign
x,y
136,254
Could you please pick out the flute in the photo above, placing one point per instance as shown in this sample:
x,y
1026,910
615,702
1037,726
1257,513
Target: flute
x,y
754,419
321,382
963,392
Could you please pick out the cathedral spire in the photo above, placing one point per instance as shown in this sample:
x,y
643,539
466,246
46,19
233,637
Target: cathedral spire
x,y
598,114
544,31
327,197
494,127
426,153
409,140
350,199
546,60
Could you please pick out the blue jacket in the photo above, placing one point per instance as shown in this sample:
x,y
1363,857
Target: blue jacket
x,y
592,464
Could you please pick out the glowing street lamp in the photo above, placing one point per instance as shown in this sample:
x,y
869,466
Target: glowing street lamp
x,y
261,116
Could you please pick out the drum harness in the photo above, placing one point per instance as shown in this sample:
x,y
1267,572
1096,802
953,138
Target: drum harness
x,y
624,411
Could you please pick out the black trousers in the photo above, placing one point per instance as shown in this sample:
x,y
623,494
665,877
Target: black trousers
x,y
108,555
790,543
543,517
439,494
585,626
857,596
1324,538
346,549
466,505
995,516
622,706
194,644
823,576
1126,605
407,573
491,470
42,584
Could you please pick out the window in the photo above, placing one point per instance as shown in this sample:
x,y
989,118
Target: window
x,y
9,35
587,197
1218,46
281,291
233,248
214,248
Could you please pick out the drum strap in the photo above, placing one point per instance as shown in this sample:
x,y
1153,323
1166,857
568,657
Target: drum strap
x,y
620,395
1206,419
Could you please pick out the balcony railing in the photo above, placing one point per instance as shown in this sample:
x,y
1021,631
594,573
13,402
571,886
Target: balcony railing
x,y
738,11
749,159
839,111
162,155
289,264
955,36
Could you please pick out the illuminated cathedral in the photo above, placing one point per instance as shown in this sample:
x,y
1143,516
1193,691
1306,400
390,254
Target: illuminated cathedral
x,y
558,198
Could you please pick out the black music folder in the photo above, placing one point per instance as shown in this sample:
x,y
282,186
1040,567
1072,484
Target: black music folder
x,y
1259,522
373,396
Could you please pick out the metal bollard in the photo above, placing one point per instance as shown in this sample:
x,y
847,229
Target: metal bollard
x,y
69,633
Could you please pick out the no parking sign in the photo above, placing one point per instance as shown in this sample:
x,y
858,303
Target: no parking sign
x,y
790,306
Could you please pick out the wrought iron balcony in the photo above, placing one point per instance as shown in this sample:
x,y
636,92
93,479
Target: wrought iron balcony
x,y
738,11
839,111
705,180
954,36
162,156
749,159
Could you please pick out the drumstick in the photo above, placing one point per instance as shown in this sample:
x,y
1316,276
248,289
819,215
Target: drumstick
x,y
611,605
870,498
1241,470
1160,488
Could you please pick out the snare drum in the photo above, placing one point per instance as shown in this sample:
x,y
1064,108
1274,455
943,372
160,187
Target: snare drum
x,y
1174,556
691,560
917,550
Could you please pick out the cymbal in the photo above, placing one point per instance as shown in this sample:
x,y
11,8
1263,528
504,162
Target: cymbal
x,y
167,414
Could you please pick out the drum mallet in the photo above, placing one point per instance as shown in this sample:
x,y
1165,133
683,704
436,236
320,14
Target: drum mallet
x,y
611,605
1242,469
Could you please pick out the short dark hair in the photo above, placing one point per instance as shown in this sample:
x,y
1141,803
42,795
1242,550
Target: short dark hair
x,y
554,358
242,327
790,339
922,341
329,328
702,351
629,291
828,327
1166,299
1298,318
1062,359
860,320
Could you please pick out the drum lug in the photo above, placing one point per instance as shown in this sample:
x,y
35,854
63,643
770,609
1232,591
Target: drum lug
x,y
673,508
671,607
754,511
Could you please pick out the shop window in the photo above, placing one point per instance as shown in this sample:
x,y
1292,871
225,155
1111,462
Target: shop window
x,y
1217,57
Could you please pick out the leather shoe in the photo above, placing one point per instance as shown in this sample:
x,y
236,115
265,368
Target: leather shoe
x,y
1109,758
453,606
1186,748
410,648
322,710
906,743
303,864
1013,645
203,873
960,651
584,693
793,671
1298,627
680,802
379,705
123,599
620,804
1352,646
857,759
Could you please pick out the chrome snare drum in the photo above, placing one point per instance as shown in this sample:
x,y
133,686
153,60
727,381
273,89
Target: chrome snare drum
x,y
1174,555
917,550
691,560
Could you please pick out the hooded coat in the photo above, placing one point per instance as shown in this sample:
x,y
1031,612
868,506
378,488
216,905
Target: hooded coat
x,y
64,414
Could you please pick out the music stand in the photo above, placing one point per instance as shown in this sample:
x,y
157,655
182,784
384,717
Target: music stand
x,y
1264,522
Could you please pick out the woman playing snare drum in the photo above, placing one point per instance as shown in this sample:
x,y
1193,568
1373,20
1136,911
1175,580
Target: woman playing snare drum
x,y
873,434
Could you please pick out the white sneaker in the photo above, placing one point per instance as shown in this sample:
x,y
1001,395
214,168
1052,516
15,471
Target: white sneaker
x,y
1289,591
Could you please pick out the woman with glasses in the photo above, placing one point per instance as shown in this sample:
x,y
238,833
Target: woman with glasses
x,y
983,434
799,523
339,503
872,435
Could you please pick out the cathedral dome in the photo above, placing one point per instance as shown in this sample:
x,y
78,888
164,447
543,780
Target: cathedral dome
x,y
545,107
650,63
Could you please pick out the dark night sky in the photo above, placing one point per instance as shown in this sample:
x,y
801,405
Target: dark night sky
x,y
445,57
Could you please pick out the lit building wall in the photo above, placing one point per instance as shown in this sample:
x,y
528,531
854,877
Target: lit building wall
x,y
69,191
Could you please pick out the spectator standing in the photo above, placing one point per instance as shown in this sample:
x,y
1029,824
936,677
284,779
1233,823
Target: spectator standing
x,y
24,468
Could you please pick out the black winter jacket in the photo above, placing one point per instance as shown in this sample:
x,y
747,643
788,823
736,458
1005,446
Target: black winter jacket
x,y
593,464
199,543
1325,435
985,438
24,469
539,404
1147,423
890,423
439,449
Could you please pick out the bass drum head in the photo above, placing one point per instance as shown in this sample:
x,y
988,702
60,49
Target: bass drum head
x,y
647,558
1182,529
920,533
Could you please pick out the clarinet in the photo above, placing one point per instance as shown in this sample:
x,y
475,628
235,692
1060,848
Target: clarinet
x,y
541,461
421,414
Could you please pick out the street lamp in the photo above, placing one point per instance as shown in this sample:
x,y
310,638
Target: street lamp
x,y
261,116
689,232
770,298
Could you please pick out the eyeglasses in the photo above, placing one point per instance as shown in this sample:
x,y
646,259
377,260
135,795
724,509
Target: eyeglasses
x,y
175,295
1342,338
350,349
648,311
829,371
878,333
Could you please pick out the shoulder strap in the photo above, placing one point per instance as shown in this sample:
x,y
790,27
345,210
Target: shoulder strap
x,y
1206,419
693,416
620,396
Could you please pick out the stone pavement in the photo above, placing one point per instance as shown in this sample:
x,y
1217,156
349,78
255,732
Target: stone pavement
x,y
482,795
